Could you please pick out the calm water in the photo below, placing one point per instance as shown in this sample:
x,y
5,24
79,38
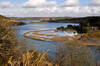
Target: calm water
x,y
41,45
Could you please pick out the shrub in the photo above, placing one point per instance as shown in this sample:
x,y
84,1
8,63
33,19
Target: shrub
x,y
74,54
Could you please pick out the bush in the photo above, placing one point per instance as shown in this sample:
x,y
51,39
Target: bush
x,y
74,54
69,27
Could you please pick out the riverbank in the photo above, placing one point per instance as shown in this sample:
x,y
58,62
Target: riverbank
x,y
10,21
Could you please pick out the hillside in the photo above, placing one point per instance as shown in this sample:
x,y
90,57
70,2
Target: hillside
x,y
10,20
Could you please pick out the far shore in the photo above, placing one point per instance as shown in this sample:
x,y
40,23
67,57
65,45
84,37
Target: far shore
x,y
38,22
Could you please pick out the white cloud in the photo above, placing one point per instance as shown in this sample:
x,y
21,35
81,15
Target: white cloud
x,y
71,3
94,3
41,8
52,11
38,3
6,5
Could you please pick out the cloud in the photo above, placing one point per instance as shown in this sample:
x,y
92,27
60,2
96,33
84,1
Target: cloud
x,y
52,11
71,3
44,8
94,3
38,3
6,5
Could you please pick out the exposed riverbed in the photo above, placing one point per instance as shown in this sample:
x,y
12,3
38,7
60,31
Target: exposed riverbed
x,y
48,35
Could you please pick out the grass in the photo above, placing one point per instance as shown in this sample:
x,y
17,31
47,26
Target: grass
x,y
11,21
7,41
30,58
69,54
95,34
61,38
72,53
11,53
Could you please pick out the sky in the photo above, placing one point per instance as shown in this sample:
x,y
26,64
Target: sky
x,y
50,8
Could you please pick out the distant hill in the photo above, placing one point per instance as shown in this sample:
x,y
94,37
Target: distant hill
x,y
27,18
38,18
92,20
10,20
76,20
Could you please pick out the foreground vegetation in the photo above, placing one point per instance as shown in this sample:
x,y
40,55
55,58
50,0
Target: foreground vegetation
x,y
69,54
8,42
11,53
72,53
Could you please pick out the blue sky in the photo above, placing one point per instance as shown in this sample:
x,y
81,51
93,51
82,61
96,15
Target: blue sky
x,y
14,1
43,8
22,1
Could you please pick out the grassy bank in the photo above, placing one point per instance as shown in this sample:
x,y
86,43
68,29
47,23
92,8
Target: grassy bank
x,y
10,21
8,42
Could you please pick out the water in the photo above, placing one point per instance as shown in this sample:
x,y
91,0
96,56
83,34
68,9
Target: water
x,y
61,33
41,45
